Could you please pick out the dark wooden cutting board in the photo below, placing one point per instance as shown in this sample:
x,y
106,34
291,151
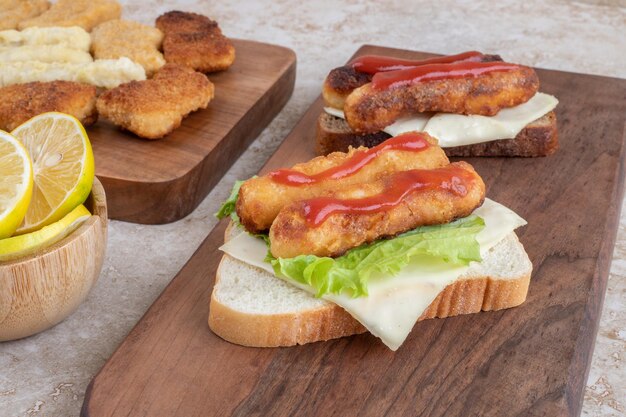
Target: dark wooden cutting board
x,y
532,360
153,182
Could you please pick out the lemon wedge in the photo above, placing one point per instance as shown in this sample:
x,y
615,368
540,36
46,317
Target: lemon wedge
x,y
16,184
63,167
18,246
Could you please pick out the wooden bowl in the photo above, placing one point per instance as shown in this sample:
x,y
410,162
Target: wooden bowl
x,y
41,289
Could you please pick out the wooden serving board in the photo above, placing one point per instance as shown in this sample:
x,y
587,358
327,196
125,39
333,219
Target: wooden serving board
x,y
153,182
527,361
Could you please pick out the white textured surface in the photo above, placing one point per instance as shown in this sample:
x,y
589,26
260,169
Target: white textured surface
x,y
46,375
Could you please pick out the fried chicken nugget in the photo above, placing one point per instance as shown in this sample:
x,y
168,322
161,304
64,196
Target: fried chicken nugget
x,y
329,226
12,12
84,13
153,108
195,41
369,109
261,198
21,102
118,38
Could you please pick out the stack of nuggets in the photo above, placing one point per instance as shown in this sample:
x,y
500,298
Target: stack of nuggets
x,y
59,53
48,66
44,54
191,42
64,45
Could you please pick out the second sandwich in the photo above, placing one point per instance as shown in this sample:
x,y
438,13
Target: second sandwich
x,y
475,104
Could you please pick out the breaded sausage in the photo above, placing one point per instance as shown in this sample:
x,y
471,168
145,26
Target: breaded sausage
x,y
342,81
368,109
261,198
329,226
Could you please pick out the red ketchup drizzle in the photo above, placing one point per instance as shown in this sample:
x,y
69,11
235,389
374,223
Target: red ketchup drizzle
x,y
431,72
413,141
371,64
452,179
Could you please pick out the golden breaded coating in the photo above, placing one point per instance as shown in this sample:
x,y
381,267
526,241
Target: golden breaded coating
x,y
350,217
368,109
12,12
107,73
21,102
342,81
44,53
195,41
72,37
84,13
118,38
153,108
261,198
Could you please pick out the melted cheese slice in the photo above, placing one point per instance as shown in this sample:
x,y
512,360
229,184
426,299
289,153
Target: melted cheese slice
x,y
394,304
458,130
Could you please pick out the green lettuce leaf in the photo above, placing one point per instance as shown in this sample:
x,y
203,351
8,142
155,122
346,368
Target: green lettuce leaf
x,y
228,207
454,243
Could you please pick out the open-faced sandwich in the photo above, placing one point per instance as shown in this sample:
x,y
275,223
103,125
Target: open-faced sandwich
x,y
475,104
372,239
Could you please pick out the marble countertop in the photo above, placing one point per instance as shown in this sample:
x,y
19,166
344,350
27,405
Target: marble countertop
x,y
46,375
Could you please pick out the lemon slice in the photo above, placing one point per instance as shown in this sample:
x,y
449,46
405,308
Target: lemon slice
x,y
63,167
16,184
18,246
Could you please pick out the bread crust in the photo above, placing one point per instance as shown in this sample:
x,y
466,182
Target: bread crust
x,y
539,138
478,294
321,324
465,296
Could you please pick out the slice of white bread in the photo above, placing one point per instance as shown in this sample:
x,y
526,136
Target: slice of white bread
x,y
251,307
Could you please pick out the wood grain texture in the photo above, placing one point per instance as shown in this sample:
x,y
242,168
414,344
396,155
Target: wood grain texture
x,y
42,289
527,361
154,182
